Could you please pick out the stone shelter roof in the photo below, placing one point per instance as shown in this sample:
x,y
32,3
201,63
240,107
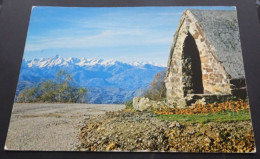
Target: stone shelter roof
x,y
220,28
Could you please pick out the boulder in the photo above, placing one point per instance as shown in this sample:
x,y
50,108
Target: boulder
x,y
142,103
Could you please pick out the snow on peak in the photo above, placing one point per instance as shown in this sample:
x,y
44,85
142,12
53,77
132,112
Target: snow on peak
x,y
60,61
56,57
140,64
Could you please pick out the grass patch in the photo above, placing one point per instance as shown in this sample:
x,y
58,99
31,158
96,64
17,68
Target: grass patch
x,y
221,117
129,104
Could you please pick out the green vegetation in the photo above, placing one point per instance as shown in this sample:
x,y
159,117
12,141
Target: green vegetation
x,y
157,90
221,117
61,89
129,104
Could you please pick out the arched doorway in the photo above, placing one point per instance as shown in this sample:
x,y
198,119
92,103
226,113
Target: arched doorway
x,y
191,67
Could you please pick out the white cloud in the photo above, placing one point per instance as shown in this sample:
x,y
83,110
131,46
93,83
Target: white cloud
x,y
104,39
113,29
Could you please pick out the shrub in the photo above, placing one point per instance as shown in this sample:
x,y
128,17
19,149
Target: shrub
x,y
61,89
129,104
157,90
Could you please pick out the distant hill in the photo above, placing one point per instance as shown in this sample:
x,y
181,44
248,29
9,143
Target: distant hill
x,y
108,81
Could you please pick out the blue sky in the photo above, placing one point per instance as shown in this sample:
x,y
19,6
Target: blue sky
x,y
127,34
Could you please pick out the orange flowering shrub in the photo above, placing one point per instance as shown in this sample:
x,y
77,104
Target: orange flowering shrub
x,y
233,106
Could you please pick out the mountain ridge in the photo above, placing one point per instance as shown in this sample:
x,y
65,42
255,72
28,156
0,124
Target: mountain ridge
x,y
108,81
58,60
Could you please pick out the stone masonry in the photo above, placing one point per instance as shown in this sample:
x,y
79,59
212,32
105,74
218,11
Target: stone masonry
x,y
205,62
205,57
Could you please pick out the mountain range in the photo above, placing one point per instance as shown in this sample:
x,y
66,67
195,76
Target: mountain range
x,y
107,81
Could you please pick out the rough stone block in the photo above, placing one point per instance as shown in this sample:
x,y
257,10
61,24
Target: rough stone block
x,y
195,35
141,103
204,59
204,76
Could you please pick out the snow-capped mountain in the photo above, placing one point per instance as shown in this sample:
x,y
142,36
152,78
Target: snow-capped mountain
x,y
108,81
59,61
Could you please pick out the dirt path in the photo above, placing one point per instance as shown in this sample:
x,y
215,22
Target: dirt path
x,y
50,127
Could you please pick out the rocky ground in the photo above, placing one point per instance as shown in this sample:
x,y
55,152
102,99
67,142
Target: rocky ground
x,y
136,131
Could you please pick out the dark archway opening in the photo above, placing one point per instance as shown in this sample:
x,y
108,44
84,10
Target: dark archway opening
x,y
192,74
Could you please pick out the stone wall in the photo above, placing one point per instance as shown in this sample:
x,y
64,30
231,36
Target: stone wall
x,y
238,88
205,62
214,77
143,104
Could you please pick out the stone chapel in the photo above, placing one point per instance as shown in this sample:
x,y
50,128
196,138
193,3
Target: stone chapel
x,y
205,58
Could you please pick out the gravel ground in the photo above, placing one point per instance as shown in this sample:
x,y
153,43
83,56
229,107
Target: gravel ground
x,y
50,127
